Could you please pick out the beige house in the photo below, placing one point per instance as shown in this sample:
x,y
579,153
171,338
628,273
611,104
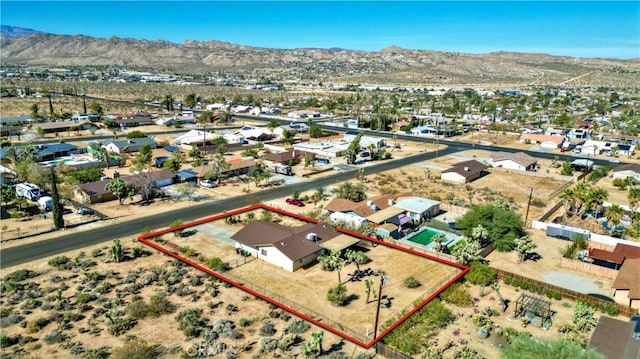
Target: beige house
x,y
464,172
626,287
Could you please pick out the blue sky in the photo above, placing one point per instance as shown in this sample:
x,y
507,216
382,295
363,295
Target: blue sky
x,y
574,28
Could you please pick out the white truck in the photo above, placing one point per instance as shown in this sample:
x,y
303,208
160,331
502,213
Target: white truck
x,y
28,191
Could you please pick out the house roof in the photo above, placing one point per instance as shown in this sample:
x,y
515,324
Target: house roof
x,y
291,241
280,157
53,148
385,214
613,339
619,254
633,167
520,158
133,142
542,138
416,204
627,278
361,208
467,168
59,124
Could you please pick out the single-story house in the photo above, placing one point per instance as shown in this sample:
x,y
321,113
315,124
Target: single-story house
x,y
95,192
613,259
51,151
626,286
7,176
365,141
366,208
615,338
128,145
464,172
287,157
419,209
516,161
290,248
16,120
627,170
195,136
545,141
255,133
61,126
294,127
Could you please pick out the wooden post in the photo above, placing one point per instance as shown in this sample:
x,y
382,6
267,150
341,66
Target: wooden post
x,y
375,326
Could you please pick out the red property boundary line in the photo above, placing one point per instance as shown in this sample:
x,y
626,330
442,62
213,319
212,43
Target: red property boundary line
x,y
145,239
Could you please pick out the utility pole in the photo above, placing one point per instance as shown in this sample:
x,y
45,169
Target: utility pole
x,y
383,281
526,216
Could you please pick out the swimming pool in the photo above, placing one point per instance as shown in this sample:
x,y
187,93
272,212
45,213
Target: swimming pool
x,y
423,237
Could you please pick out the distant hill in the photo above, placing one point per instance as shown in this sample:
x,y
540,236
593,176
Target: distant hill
x,y
390,65
13,32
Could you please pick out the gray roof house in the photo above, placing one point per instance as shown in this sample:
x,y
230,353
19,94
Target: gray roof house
x,y
419,209
464,172
627,170
128,145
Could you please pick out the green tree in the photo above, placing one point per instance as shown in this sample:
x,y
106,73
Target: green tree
x,y
258,174
317,338
353,192
97,108
524,245
356,257
614,215
35,111
337,295
195,154
175,162
167,103
143,158
467,251
634,198
503,226
190,100
219,164
439,239
480,273
351,154
566,168
288,137
119,188
315,131
56,206
273,124
7,194
136,134
177,223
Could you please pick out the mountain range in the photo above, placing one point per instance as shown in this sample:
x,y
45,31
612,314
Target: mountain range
x,y
390,65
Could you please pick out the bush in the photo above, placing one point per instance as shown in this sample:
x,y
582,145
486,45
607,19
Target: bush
x,y
480,273
244,322
159,305
138,309
10,319
36,325
31,304
61,263
458,295
83,298
20,275
54,337
136,348
411,282
189,322
217,264
120,326
7,341
267,329
337,295
297,327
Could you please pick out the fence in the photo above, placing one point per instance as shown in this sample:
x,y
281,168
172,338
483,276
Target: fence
x,y
388,352
531,173
561,188
549,212
588,268
34,230
424,250
567,293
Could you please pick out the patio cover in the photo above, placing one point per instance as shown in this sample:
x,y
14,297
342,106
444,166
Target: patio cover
x,y
384,214
340,242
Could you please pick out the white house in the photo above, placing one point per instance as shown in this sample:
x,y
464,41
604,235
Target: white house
x,y
418,209
129,145
289,248
365,141
464,172
255,133
627,170
516,161
195,136
545,141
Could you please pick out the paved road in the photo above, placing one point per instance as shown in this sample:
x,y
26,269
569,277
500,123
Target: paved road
x,y
33,251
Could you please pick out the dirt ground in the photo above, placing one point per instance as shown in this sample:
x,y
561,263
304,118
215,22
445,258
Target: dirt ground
x,y
161,331
297,287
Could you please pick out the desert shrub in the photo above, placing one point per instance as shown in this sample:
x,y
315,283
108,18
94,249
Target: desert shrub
x,y
20,275
159,305
337,295
120,326
10,319
268,345
54,337
138,309
411,282
189,322
480,273
224,327
217,264
458,295
482,320
97,353
244,322
267,329
467,353
83,298
136,348
297,327
31,303
7,341
188,251
35,326
195,281
61,263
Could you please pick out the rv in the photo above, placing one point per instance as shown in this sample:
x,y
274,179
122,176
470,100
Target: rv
x,y
28,190
566,232
281,169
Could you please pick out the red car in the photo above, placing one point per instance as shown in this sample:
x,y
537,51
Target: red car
x,y
295,202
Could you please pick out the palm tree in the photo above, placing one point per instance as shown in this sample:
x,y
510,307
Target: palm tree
x,y
596,198
634,198
438,239
614,215
569,198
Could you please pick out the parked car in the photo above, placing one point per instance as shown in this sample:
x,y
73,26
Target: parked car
x,y
208,183
614,161
84,211
295,202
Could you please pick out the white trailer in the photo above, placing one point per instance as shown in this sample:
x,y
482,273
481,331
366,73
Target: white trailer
x,y
28,190
350,220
